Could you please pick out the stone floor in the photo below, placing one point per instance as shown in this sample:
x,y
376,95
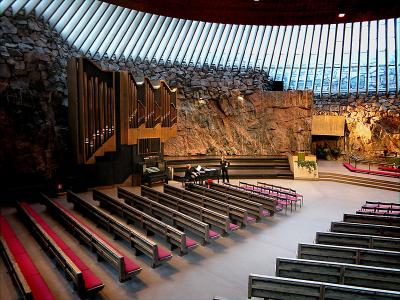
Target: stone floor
x,y
218,269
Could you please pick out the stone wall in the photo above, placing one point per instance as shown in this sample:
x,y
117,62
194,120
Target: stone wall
x,y
34,131
33,100
226,111
263,123
373,123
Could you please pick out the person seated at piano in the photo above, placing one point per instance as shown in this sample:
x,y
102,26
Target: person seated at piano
x,y
191,173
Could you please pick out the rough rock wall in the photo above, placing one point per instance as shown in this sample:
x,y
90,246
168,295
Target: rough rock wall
x,y
33,99
213,118
373,123
263,123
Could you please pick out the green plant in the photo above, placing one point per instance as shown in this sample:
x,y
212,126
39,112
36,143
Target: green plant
x,y
308,164
335,151
395,161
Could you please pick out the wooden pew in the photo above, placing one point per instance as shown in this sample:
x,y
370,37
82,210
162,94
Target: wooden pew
x,y
20,265
173,236
371,219
141,243
350,255
203,214
178,219
338,273
283,199
369,229
269,287
253,208
358,240
85,281
269,203
236,214
278,188
126,267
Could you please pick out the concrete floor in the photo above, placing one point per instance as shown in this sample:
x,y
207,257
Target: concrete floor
x,y
220,269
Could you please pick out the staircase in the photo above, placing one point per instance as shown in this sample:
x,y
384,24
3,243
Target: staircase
x,y
361,181
245,167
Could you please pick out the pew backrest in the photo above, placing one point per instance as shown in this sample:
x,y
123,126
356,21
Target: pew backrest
x,y
206,215
269,203
369,229
179,219
339,273
92,239
253,208
235,213
174,236
349,255
371,219
269,287
358,240
135,238
67,265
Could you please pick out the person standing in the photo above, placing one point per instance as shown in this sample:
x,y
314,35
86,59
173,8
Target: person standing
x,y
224,168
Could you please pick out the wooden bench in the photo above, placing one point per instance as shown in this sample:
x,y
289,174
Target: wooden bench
x,y
178,219
176,238
85,281
339,273
380,208
370,219
269,287
20,266
350,255
203,214
254,209
279,188
236,214
358,240
140,243
369,229
283,199
268,203
126,267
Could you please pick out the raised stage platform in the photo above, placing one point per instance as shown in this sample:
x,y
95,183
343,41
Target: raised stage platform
x,y
240,166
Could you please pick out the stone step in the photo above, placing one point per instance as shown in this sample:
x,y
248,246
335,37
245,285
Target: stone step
x,y
360,181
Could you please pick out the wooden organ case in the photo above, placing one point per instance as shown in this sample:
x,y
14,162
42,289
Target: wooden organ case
x,y
118,123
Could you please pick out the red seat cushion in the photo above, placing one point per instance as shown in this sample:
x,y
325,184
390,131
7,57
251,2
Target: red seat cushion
x,y
251,219
212,234
130,265
384,206
26,265
233,226
76,260
39,288
91,280
265,213
162,253
15,246
190,243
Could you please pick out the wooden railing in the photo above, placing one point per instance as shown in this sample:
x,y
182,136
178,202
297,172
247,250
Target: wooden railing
x,y
108,109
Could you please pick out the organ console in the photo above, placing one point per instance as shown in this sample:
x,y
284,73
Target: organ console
x,y
112,112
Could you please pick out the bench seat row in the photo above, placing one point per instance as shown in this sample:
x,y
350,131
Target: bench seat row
x,y
173,236
358,259
137,240
180,220
20,265
85,281
125,266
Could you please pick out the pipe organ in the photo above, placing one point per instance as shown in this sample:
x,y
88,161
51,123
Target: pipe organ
x,y
109,109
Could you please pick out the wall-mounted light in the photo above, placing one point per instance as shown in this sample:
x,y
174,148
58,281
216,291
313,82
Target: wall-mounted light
x,y
240,98
341,15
